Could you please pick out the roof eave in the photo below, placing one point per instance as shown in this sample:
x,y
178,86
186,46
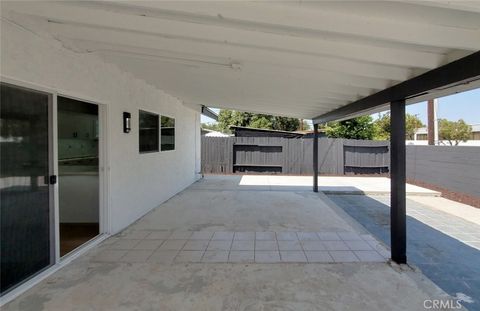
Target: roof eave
x,y
425,86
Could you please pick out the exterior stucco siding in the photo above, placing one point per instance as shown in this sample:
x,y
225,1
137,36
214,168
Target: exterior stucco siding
x,y
137,182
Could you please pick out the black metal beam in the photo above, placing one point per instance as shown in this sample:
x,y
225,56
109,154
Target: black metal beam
x,y
209,113
398,229
315,158
464,70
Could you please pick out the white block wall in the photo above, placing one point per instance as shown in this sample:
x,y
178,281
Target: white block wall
x,y
138,182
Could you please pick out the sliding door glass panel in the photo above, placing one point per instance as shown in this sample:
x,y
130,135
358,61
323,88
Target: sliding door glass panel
x,y
26,225
78,187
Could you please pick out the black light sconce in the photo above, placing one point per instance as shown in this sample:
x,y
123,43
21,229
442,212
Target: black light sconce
x,y
126,122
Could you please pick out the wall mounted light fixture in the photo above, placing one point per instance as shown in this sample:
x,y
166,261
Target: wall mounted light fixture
x,y
127,122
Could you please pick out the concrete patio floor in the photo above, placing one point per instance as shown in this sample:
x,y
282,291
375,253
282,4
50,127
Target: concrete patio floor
x,y
132,271
443,238
327,184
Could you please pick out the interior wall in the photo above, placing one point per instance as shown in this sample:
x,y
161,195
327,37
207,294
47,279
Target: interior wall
x,y
82,146
78,171
138,182
78,206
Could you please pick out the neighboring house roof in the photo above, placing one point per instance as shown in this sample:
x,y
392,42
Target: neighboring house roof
x,y
310,134
423,130
216,134
240,131
212,133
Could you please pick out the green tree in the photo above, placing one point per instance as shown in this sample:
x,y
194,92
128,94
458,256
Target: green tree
x,y
412,124
382,126
211,126
454,131
356,128
261,121
227,118
285,124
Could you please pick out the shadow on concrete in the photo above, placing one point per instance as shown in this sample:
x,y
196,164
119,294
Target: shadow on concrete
x,y
448,262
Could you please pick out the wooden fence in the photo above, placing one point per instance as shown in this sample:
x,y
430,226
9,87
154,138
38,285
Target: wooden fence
x,y
228,155
454,168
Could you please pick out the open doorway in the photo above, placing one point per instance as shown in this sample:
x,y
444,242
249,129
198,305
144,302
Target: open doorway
x,y
78,169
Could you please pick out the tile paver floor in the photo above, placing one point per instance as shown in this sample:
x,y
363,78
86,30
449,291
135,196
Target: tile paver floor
x,y
252,247
445,247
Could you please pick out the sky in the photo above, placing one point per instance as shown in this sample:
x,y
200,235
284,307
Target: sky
x,y
465,105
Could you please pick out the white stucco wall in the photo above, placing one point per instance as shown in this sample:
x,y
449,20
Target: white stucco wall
x,y
138,182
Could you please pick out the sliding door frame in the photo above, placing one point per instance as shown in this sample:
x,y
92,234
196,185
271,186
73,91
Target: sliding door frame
x,y
58,262
103,171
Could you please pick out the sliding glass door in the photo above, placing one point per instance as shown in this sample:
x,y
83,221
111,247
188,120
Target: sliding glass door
x,y
78,173
27,245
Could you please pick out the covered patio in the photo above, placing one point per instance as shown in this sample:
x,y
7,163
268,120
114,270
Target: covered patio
x,y
168,241
219,245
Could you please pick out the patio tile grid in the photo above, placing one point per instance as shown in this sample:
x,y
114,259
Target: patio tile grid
x,y
465,231
242,247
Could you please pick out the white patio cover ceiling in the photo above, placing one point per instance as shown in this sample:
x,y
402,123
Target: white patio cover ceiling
x,y
298,59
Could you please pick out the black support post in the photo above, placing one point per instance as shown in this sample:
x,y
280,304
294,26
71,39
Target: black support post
x,y
398,181
315,158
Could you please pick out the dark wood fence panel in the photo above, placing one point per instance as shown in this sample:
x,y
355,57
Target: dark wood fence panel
x,y
264,155
330,156
294,157
366,157
217,155
289,155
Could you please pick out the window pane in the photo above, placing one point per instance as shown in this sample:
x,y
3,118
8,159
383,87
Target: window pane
x,y
168,133
148,124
